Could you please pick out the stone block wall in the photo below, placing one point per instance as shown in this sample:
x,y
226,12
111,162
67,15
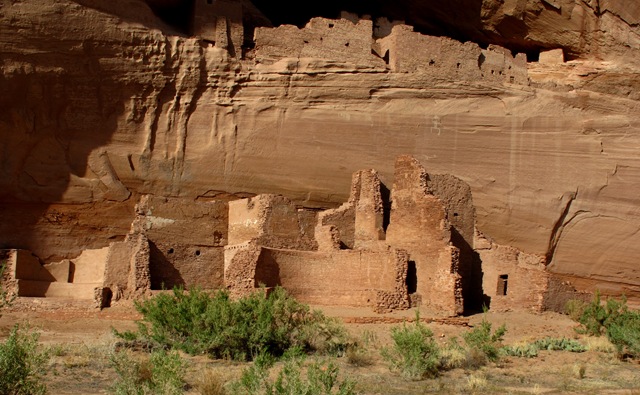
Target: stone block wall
x,y
336,39
411,52
513,280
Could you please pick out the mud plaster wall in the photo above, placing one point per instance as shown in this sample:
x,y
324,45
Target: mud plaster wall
x,y
343,219
350,278
272,221
527,280
186,240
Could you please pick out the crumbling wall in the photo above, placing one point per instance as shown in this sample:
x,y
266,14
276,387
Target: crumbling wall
x,y
461,214
559,292
219,22
497,64
359,221
410,52
512,279
126,273
335,39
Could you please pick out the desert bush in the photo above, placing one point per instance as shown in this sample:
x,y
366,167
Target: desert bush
x,y
160,374
322,378
199,322
483,341
616,321
414,353
522,350
22,363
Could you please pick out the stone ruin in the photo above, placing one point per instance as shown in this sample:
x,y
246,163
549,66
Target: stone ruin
x,y
415,246
361,43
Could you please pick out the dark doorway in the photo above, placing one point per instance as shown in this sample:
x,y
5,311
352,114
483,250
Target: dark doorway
x,y
412,277
502,285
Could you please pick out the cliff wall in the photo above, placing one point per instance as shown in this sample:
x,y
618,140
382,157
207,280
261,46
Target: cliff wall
x,y
102,102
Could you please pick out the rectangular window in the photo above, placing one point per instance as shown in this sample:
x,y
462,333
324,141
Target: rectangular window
x,y
502,285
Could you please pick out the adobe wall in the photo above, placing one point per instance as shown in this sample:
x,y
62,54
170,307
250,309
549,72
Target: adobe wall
x,y
127,273
220,22
186,240
527,280
336,39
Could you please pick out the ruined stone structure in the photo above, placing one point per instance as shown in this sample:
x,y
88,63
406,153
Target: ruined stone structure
x,y
415,246
104,102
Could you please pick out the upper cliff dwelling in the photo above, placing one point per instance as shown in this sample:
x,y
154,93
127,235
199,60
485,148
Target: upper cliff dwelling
x,y
221,143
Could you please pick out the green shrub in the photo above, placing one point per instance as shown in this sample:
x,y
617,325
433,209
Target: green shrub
x,y
198,322
322,378
22,363
414,353
616,321
162,374
483,341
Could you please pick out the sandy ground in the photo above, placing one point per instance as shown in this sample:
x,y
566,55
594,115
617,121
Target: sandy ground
x,y
81,339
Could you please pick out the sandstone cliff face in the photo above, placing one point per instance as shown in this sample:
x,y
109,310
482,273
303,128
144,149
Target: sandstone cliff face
x,y
102,102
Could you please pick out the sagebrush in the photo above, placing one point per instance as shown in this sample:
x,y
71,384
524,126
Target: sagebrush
x,y
321,378
414,352
22,363
199,322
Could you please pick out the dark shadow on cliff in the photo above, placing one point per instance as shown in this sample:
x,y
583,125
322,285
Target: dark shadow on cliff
x,y
58,106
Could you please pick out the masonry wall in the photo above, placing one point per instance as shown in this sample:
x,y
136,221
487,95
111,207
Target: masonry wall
x,y
418,223
335,39
527,280
186,241
272,221
349,278
219,22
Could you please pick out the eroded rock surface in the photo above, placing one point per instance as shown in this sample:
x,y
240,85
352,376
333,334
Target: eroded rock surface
x,y
103,102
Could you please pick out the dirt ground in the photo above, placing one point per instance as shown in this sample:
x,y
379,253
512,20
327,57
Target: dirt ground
x,y
80,339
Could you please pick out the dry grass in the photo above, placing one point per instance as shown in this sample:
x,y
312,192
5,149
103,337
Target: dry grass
x,y
211,383
599,344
